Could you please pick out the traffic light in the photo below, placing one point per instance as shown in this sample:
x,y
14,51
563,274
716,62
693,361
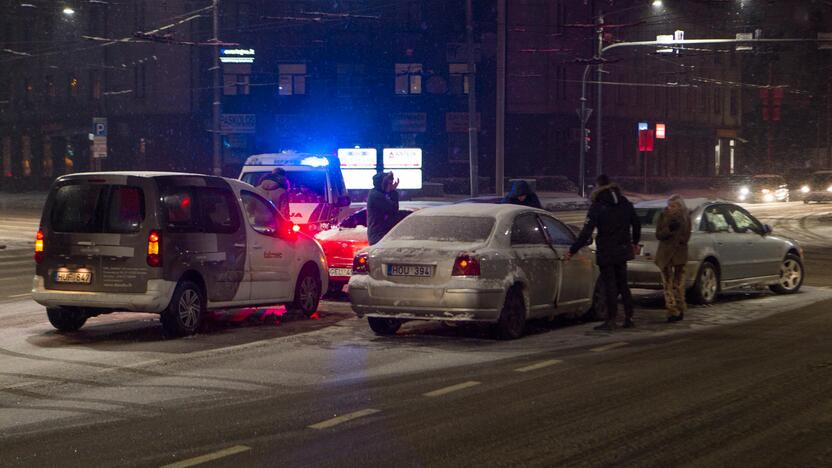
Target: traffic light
x,y
587,139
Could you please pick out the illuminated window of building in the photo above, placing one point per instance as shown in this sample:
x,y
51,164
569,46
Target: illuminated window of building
x,y
72,86
291,79
408,78
26,150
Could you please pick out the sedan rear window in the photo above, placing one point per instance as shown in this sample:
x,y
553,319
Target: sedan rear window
x,y
443,229
98,208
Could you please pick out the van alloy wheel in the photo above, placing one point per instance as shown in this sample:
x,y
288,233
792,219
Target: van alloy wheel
x,y
189,308
186,311
307,292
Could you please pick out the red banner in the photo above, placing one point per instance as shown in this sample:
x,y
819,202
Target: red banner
x,y
645,140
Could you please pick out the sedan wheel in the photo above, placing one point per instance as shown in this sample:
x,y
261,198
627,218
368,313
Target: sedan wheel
x,y
512,321
791,275
706,287
384,326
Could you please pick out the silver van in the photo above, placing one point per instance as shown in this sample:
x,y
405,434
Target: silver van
x,y
168,243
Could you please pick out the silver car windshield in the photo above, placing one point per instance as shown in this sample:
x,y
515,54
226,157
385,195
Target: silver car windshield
x,y
443,229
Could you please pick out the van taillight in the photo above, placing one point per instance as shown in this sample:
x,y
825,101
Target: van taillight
x,y
466,265
39,244
154,256
360,264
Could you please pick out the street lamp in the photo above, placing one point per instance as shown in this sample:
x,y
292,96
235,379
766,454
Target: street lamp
x,y
657,3
68,11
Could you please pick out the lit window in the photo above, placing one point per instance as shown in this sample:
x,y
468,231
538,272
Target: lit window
x,y
408,78
291,79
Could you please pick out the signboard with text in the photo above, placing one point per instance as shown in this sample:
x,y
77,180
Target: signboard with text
x,y
99,141
238,123
402,158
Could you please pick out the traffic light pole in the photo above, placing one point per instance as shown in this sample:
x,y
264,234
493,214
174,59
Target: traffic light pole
x,y
582,136
216,103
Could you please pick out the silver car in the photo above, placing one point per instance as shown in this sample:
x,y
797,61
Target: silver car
x,y
729,248
499,264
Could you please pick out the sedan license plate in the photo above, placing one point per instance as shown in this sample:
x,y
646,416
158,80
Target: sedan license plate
x,y
340,272
73,277
424,271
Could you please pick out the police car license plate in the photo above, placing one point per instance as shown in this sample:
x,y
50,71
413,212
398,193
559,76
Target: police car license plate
x,y
73,277
410,270
340,272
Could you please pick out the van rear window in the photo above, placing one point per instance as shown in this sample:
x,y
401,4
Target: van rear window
x,y
112,209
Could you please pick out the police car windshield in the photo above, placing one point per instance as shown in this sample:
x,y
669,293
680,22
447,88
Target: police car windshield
x,y
305,186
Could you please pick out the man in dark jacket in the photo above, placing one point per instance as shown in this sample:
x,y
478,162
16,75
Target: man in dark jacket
x,y
382,206
522,194
619,232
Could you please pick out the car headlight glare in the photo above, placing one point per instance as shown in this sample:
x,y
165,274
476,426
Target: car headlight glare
x,y
829,189
768,197
805,189
744,191
765,190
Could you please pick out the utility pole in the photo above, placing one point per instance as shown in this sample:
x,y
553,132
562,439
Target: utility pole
x,y
473,152
499,152
599,76
216,104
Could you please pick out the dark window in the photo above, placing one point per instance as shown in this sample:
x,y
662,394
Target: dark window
x,y
717,101
98,208
261,214
178,209
95,85
354,220
140,80
218,211
51,91
526,231
557,232
734,102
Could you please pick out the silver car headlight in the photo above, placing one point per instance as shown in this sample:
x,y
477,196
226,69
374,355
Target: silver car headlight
x,y
805,189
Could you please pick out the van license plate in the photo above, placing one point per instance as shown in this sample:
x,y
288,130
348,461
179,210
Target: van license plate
x,y
73,277
410,270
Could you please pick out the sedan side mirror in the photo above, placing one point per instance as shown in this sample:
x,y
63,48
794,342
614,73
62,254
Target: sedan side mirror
x,y
767,229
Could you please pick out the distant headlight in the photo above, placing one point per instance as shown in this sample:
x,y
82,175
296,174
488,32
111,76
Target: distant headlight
x,y
768,197
765,190
744,191
829,189
805,189
742,197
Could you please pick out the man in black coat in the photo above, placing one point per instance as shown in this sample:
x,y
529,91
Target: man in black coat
x,y
522,194
382,206
619,232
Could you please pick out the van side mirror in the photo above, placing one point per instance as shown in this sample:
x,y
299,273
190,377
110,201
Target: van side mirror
x,y
343,201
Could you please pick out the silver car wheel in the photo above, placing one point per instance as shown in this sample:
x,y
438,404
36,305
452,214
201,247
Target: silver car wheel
x,y
709,284
791,274
189,308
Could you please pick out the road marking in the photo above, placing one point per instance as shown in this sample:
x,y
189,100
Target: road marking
x,y
608,347
344,418
130,366
209,457
451,389
539,365
18,295
18,385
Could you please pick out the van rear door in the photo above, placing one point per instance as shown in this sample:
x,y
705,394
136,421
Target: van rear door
x,y
95,235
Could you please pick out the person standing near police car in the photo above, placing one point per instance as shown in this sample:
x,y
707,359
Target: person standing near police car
x,y
382,206
673,233
619,232
275,187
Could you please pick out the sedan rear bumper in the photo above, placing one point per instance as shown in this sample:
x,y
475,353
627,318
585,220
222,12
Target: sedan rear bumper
x,y
446,304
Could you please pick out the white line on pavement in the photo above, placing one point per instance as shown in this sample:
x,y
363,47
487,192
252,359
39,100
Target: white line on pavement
x,y
452,388
209,457
13,296
539,365
344,418
608,347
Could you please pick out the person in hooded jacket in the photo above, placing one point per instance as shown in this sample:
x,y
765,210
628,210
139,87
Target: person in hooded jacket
x,y
275,186
619,232
673,233
382,206
522,194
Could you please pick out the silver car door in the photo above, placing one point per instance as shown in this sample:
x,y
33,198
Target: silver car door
x,y
537,261
725,241
575,280
762,256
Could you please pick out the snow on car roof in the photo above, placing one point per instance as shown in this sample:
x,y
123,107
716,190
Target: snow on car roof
x,y
474,210
692,203
147,174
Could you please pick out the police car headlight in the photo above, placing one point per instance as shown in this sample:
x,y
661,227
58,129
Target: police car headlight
x,y
805,189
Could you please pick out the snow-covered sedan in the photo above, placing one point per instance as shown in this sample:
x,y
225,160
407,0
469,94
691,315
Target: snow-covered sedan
x,y
498,264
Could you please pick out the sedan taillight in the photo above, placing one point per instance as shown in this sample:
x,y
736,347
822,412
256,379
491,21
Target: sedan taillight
x,y
39,246
466,265
360,264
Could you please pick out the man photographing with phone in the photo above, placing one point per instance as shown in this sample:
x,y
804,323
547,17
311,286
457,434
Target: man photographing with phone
x,y
382,206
